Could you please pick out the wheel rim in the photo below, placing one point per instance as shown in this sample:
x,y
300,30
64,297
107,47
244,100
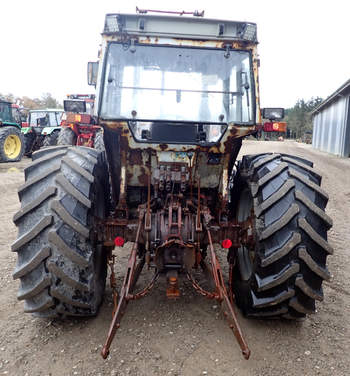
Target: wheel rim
x,y
12,146
245,256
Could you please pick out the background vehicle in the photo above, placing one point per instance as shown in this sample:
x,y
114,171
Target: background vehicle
x,y
175,97
11,139
79,126
276,129
307,137
42,129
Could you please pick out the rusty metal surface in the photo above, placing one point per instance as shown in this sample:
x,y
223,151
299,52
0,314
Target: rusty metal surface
x,y
135,157
226,305
172,290
125,291
185,232
176,254
128,142
224,297
113,281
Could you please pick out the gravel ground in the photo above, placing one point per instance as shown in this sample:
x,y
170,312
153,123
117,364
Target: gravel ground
x,y
188,336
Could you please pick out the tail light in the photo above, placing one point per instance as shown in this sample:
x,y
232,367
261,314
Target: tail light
x,y
119,241
226,243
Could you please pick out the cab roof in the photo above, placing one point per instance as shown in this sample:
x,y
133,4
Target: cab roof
x,y
179,27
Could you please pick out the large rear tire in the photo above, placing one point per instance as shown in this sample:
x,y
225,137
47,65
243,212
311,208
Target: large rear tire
x,y
61,266
29,139
99,143
11,144
66,137
51,139
282,275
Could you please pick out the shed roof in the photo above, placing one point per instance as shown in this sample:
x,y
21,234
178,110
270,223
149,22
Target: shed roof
x,y
343,90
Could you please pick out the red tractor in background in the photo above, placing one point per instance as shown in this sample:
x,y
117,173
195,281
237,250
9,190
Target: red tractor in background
x,y
78,125
272,127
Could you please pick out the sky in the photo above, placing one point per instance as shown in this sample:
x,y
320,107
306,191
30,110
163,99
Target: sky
x,y
303,44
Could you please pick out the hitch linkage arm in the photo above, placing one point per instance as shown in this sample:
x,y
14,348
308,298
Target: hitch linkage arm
x,y
128,284
226,304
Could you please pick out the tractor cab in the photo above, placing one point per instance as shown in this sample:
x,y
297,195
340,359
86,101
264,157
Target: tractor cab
x,y
78,123
11,140
42,129
78,108
39,119
177,80
8,115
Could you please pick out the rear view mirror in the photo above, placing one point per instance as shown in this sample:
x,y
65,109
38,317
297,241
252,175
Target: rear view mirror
x,y
74,106
272,113
92,69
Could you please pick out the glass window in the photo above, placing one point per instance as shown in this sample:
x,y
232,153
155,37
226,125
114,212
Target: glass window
x,y
34,118
5,112
177,84
16,115
45,119
58,118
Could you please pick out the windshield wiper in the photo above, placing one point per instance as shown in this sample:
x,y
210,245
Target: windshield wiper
x,y
182,90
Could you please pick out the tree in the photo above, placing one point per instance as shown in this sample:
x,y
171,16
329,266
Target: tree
x,y
30,103
46,101
7,97
299,118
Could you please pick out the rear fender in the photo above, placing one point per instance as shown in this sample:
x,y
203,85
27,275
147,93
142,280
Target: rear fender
x,y
26,130
48,130
10,124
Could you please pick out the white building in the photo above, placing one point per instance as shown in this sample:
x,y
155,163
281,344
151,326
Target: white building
x,y
331,123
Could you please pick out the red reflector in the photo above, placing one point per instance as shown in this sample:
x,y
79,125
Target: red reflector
x,y
226,243
119,241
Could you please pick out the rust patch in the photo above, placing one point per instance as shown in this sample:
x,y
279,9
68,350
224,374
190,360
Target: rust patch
x,y
236,133
114,125
197,42
128,176
124,142
163,147
214,149
143,177
135,157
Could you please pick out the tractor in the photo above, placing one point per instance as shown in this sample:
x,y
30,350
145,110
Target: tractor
x,y
11,139
42,129
78,124
175,97
276,128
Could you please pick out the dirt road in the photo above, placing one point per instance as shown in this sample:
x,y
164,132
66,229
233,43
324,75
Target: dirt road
x,y
190,336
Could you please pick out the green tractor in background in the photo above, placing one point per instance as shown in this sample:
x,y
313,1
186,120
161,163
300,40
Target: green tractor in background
x,y
11,138
42,129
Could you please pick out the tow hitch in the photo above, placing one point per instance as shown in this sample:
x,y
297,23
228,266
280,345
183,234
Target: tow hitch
x,y
213,271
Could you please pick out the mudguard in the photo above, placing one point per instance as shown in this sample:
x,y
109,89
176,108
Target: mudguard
x,y
48,130
26,130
